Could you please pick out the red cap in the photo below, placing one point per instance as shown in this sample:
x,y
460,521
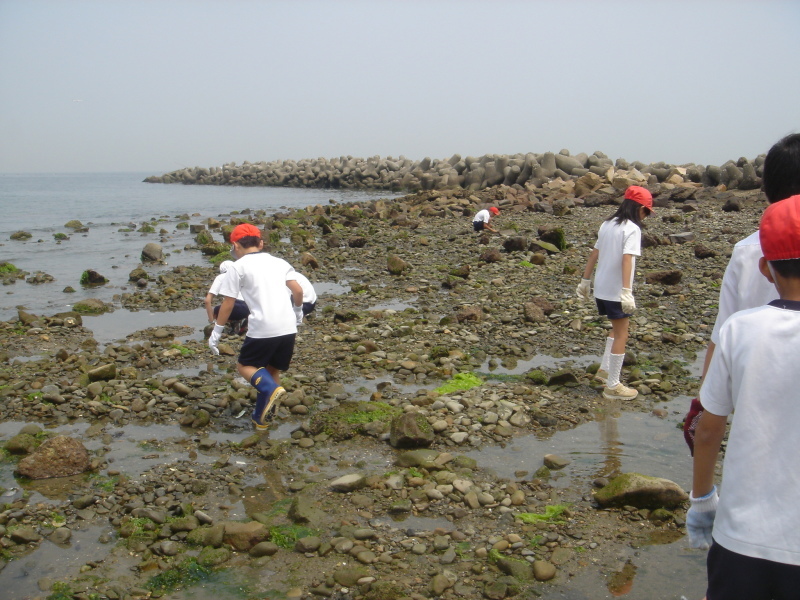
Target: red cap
x,y
244,230
641,196
779,232
494,210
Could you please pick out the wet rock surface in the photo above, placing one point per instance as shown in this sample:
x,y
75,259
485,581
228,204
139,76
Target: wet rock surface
x,y
318,499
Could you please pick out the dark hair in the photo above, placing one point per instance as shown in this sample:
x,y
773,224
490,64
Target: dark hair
x,y
787,268
628,211
249,241
782,169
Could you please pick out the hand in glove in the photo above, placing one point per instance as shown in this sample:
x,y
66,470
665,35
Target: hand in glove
x,y
584,289
213,339
298,313
626,298
700,519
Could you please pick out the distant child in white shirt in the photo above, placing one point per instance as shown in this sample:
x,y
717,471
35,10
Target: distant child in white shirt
x,y
619,242
481,220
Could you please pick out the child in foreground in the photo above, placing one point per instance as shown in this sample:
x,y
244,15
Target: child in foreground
x,y
619,242
753,527
269,346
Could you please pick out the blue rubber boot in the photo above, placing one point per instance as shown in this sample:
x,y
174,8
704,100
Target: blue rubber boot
x,y
267,398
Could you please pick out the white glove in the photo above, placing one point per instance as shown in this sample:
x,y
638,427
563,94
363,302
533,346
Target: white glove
x,y
700,519
626,298
213,339
298,313
584,289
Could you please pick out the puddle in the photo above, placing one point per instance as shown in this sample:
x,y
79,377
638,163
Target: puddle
x,y
115,326
25,359
616,442
395,305
19,579
667,572
412,524
512,366
188,372
331,288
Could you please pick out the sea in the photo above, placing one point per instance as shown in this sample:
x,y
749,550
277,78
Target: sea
x,y
112,207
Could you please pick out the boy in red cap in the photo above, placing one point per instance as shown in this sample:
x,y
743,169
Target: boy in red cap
x,y
619,242
267,350
753,526
481,220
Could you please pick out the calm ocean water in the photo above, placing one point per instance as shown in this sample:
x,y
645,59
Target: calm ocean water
x,y
105,203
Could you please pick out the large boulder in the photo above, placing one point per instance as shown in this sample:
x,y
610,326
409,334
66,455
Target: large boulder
x,y
60,456
642,491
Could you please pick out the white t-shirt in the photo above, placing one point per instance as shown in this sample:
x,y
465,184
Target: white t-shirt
x,y
754,372
483,216
261,279
743,285
217,284
309,295
613,240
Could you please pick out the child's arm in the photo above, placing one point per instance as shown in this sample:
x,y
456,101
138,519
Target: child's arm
x,y
209,309
590,263
707,441
627,268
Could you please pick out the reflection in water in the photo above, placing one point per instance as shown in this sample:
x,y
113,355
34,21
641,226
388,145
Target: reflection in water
x,y
621,582
611,445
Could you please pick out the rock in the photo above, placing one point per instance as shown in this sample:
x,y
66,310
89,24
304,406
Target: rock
x,y
520,569
243,536
563,377
304,510
103,372
264,549
701,252
60,456
349,576
671,277
22,443
396,265
92,277
152,252
543,570
417,458
641,491
515,244
410,430
307,544
25,534
553,461
349,483
681,238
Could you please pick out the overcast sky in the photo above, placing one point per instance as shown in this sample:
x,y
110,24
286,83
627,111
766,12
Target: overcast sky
x,y
155,85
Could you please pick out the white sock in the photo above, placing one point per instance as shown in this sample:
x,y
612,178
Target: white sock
x,y
614,369
606,354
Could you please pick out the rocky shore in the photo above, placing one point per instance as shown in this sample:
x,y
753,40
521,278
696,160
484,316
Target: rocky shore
x,y
468,173
372,435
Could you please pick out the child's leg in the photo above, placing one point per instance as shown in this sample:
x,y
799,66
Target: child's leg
x,y
607,352
266,380
619,333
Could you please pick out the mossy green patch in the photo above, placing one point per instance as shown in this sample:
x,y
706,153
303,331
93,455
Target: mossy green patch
x,y
460,383
552,514
286,536
348,420
7,267
186,573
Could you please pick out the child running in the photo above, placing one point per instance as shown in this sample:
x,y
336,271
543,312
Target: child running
x,y
619,242
268,348
753,525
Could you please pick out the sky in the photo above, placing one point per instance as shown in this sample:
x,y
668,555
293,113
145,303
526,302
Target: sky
x,y
156,85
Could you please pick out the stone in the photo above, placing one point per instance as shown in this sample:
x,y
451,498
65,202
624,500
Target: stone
x,y
641,491
543,570
410,430
60,456
555,462
243,536
349,483
152,252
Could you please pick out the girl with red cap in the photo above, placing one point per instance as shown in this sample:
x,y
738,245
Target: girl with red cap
x,y
619,242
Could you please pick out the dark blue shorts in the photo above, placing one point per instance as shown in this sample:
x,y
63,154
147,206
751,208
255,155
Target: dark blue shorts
x,y
308,307
273,352
732,575
239,311
611,309
477,225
